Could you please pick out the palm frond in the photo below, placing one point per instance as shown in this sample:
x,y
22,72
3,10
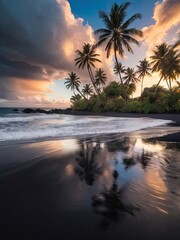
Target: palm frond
x,y
131,20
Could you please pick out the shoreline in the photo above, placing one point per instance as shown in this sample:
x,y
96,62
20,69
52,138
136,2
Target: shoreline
x,y
170,136
175,117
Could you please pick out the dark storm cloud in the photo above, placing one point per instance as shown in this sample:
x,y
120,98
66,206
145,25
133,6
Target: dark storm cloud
x,y
31,34
38,39
19,69
28,33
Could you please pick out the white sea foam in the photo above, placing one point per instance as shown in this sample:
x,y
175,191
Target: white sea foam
x,y
25,127
27,118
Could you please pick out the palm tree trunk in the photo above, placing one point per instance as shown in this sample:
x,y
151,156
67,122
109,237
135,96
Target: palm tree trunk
x,y
142,85
167,83
74,92
158,84
81,93
115,55
92,78
170,87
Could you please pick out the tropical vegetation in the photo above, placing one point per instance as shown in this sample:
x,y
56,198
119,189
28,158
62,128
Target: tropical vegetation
x,y
102,94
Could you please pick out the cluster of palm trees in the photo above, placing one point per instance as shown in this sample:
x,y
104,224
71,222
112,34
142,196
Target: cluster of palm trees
x,y
130,77
117,37
166,61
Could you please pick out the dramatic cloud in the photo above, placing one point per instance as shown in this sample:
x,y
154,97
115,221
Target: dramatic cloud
x,y
166,17
37,45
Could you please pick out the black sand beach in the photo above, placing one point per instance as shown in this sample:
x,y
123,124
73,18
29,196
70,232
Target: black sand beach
x,y
110,187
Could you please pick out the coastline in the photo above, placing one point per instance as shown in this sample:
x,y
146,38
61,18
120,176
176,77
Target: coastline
x,y
169,137
175,117
169,132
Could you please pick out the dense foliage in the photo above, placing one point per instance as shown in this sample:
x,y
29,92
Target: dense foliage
x,y
111,100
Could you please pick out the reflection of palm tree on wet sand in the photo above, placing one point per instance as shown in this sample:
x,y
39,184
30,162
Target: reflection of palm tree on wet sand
x,y
109,202
144,159
88,168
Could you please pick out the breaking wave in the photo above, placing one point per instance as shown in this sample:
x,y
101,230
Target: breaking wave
x,y
30,127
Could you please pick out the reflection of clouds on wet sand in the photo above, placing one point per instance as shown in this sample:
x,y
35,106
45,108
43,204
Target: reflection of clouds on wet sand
x,y
69,170
113,182
141,166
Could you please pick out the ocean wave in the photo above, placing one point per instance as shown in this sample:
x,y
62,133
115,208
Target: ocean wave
x,y
45,126
24,118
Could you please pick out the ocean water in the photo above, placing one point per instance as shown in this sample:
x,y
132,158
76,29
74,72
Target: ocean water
x,y
20,126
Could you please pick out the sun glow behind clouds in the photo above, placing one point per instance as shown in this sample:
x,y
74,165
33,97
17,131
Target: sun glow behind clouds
x,y
68,48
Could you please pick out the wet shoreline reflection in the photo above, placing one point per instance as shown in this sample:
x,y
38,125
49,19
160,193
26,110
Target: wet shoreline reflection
x,y
110,187
136,170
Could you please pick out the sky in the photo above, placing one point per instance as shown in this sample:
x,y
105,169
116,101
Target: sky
x,y
38,40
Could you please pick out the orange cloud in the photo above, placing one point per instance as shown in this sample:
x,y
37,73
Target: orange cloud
x,y
166,16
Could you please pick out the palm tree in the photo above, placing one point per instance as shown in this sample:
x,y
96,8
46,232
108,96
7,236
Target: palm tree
x,y
130,80
130,76
87,58
158,60
166,61
88,168
73,82
171,67
100,78
131,88
143,70
177,87
75,98
109,202
117,33
87,90
118,69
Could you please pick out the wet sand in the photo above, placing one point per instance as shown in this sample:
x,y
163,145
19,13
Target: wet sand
x,y
175,117
121,187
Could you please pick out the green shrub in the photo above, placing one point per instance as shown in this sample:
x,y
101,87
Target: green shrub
x,y
80,105
133,107
112,90
177,106
169,101
114,104
99,105
152,108
150,93
91,103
